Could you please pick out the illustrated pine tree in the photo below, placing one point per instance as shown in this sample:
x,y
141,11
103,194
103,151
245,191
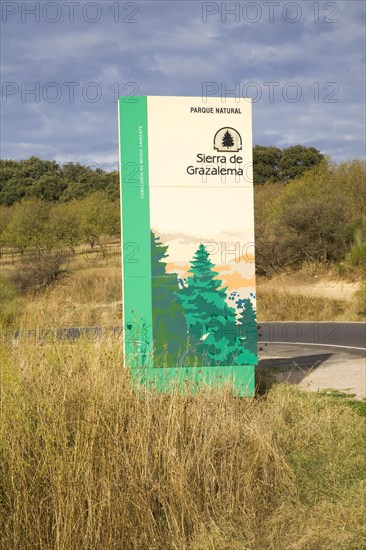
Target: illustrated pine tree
x,y
210,320
248,327
169,325
227,140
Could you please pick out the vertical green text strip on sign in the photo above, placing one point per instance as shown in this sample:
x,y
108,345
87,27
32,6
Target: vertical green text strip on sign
x,y
136,250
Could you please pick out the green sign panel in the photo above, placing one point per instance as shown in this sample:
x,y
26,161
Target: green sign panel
x,y
188,241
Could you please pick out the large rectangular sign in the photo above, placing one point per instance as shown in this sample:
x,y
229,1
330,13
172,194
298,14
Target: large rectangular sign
x,y
188,240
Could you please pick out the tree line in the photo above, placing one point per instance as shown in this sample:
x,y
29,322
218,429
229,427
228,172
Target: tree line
x,y
50,181
319,216
53,182
271,164
45,236
37,225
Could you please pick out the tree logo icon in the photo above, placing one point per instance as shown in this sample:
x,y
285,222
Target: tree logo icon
x,y
227,139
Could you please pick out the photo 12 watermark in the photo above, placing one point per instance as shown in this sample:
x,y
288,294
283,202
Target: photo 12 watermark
x,y
94,92
70,12
68,91
273,91
271,12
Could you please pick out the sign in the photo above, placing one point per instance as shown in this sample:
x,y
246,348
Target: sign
x,y
188,240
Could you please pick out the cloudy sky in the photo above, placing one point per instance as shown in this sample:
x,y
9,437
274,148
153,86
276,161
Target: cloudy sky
x,y
64,63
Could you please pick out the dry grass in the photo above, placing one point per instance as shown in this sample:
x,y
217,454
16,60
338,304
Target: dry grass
x,y
86,297
89,294
273,305
88,462
316,292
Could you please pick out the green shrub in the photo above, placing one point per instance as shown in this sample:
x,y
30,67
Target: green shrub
x,y
357,255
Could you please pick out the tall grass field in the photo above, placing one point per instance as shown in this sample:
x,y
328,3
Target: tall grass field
x,y
90,461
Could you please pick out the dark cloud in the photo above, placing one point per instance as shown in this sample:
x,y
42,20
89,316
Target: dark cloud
x,y
171,51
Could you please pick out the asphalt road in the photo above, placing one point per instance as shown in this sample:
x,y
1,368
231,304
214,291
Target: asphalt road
x,y
328,334
315,356
350,336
